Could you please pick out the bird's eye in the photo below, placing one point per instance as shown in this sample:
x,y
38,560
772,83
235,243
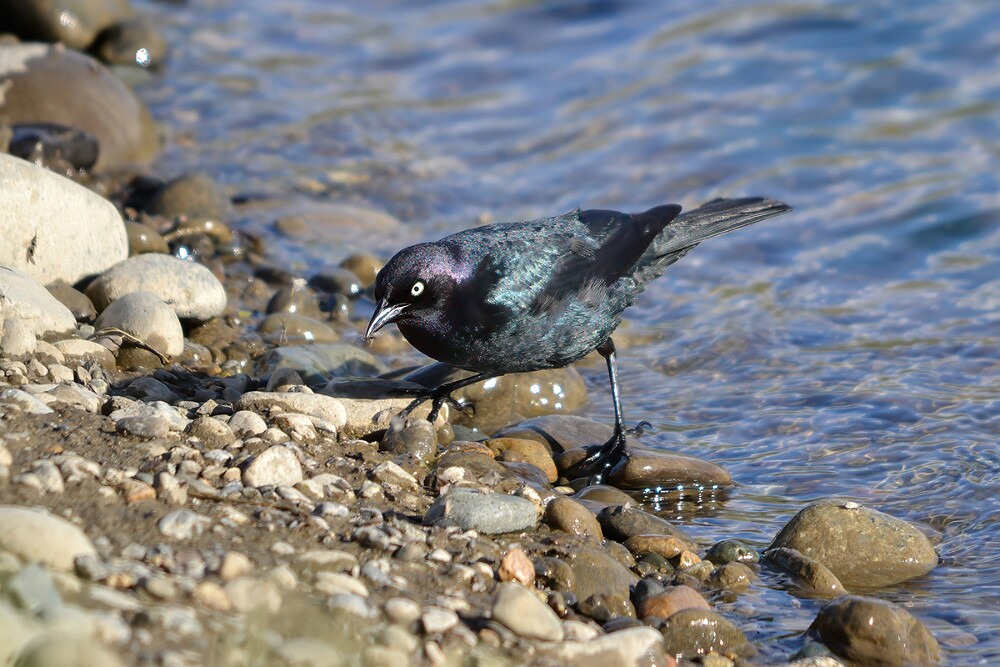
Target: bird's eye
x,y
418,288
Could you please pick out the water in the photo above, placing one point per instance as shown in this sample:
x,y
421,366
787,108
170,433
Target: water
x,y
851,349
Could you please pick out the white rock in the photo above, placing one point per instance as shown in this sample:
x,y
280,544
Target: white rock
x,y
17,338
332,583
365,416
77,351
184,524
21,400
246,423
188,288
25,299
520,610
317,405
632,647
275,466
38,536
55,229
147,317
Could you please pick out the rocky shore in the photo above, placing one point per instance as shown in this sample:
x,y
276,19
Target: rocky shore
x,y
200,464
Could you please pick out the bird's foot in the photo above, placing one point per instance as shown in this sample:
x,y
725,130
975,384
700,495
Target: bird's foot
x,y
639,429
598,464
422,395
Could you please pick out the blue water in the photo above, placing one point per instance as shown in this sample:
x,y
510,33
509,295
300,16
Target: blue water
x,y
850,349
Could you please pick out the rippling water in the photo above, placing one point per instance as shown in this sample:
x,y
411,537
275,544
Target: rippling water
x,y
850,349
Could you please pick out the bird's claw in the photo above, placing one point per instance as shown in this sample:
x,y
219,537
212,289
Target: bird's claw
x,y
596,466
437,402
639,429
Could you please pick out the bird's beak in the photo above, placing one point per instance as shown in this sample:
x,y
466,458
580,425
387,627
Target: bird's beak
x,y
384,313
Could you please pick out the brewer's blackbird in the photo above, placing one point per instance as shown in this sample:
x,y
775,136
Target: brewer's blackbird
x,y
523,296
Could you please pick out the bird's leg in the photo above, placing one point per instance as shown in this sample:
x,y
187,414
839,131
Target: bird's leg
x,y
611,452
441,394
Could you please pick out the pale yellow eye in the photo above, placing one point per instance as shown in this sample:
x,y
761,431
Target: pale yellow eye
x,y
418,288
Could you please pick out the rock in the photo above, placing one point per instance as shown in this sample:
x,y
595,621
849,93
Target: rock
x,y
874,632
59,148
621,522
315,405
75,23
55,229
368,417
49,84
37,536
732,551
188,288
413,437
275,466
334,583
519,609
569,516
390,474
183,524
670,601
211,431
68,649
807,572
490,513
246,423
690,633
291,328
249,594
597,573
30,303
77,302
524,451
78,352
194,196
732,577
656,469
860,546
144,239
18,399
318,363
147,317
133,42
516,566
632,647
16,338
363,265
437,621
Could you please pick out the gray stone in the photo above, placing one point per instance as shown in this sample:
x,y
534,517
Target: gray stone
x,y
631,647
150,426
78,351
37,536
26,300
860,546
437,621
316,405
874,632
523,612
17,338
147,317
188,288
806,572
246,423
275,466
489,513
621,522
183,524
50,84
690,633
19,399
71,231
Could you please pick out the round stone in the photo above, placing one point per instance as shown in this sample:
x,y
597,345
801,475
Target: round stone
x,y
490,513
147,317
275,466
27,301
37,536
569,516
519,609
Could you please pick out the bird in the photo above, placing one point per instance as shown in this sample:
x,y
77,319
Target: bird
x,y
512,297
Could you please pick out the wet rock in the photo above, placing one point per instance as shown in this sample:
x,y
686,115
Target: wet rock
x,y
291,328
46,84
516,566
412,437
597,497
690,633
524,451
519,609
732,577
295,299
632,647
190,289
183,524
275,466
569,516
53,228
39,537
666,546
860,546
559,432
29,302
48,22
597,573
249,594
147,317
806,572
668,602
194,196
655,469
53,146
133,42
143,239
874,632
315,405
604,608
335,280
368,417
364,266
622,522
732,551
490,513
316,364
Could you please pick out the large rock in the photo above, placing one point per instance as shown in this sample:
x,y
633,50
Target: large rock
x,y
189,288
520,610
490,513
860,546
27,301
54,229
46,84
874,632
37,536
147,317
75,23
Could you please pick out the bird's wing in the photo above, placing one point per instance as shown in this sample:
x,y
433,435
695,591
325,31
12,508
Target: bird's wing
x,y
602,246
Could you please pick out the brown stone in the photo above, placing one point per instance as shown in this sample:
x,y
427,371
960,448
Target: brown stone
x,y
569,516
520,450
516,566
666,546
672,601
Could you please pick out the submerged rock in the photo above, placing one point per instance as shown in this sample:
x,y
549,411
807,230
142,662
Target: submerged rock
x,y
690,633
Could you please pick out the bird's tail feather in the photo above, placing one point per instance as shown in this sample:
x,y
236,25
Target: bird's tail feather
x,y
717,217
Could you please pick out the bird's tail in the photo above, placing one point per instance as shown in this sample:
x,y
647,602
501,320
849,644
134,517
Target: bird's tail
x,y
717,217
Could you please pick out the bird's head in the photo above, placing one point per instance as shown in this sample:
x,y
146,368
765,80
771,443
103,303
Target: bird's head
x,y
413,286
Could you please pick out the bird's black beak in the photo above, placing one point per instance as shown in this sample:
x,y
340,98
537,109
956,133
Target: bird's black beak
x,y
384,313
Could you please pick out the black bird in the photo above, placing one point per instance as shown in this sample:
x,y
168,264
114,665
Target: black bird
x,y
522,296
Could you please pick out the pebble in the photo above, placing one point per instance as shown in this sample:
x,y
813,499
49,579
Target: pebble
x,y
274,466
183,524
246,423
389,473
520,450
490,513
595,572
620,522
413,437
36,20
516,566
333,583
732,576
690,633
212,595
27,301
874,632
150,426
188,288
732,551
670,601
73,232
437,620
17,338
522,611
367,417
196,197
234,565
147,317
250,594
860,546
36,535
569,516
